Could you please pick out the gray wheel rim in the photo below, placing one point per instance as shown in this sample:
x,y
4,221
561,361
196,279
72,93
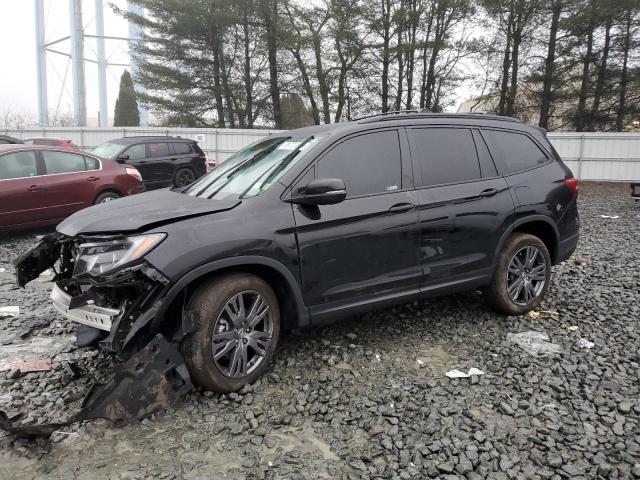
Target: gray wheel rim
x,y
526,275
108,199
185,177
242,334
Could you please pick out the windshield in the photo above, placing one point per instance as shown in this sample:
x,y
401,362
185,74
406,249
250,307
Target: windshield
x,y
253,169
107,150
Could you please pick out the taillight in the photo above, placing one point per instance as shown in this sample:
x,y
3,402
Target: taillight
x,y
134,173
572,184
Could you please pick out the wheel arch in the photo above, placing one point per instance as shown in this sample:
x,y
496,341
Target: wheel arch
x,y
539,226
294,312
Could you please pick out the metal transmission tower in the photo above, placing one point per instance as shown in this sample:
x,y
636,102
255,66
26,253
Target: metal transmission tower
x,y
134,35
76,54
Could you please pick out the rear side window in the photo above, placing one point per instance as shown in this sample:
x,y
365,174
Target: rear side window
x,y
516,151
62,162
18,165
446,155
368,163
157,150
181,148
91,163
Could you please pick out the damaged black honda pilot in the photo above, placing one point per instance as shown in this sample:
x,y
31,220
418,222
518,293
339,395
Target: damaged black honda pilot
x,y
310,225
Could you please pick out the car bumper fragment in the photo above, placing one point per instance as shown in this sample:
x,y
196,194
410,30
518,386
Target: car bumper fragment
x,y
90,315
151,380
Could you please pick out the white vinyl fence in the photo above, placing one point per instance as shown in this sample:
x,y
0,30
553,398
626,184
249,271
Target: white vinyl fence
x,y
591,156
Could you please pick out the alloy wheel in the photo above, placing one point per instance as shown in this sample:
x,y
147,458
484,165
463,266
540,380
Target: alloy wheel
x,y
242,334
184,178
526,275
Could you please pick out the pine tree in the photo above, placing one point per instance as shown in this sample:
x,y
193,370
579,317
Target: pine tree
x,y
126,113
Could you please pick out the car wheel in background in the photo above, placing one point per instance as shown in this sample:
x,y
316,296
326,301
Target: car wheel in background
x,y
522,275
183,177
236,328
106,197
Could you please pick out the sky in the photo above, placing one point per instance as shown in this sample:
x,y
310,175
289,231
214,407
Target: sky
x,y
18,77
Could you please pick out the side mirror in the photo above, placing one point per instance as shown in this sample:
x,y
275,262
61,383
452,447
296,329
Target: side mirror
x,y
122,158
323,191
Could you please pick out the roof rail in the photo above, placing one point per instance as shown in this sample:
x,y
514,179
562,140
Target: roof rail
x,y
392,112
427,114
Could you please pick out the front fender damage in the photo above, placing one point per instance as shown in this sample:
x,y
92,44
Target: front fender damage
x,y
152,374
151,380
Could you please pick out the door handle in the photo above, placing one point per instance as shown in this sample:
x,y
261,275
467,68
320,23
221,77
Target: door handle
x,y
489,192
33,188
93,179
402,208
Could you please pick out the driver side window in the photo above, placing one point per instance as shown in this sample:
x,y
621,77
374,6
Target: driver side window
x,y
368,163
135,152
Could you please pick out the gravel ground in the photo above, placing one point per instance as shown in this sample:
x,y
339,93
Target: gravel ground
x,y
368,398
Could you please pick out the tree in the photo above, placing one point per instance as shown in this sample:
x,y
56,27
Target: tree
x,y
295,113
126,113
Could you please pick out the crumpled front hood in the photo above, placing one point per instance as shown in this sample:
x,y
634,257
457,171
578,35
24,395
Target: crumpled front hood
x,y
140,211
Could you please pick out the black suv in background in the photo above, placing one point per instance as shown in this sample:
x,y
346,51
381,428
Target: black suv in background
x,y
314,224
162,161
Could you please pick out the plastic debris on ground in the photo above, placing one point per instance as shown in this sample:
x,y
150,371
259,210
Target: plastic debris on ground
x,y
27,327
26,366
572,328
534,314
2,269
580,261
584,343
11,311
458,374
613,217
534,343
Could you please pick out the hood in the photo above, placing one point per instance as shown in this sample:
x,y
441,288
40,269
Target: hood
x,y
140,211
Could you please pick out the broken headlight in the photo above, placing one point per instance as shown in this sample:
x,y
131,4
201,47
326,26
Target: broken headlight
x,y
99,258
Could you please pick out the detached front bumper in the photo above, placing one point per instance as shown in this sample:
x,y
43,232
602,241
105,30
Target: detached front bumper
x,y
90,315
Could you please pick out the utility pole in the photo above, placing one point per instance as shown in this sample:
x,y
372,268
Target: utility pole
x,y
41,65
103,113
77,63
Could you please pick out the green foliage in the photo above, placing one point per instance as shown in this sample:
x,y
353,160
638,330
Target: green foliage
x,y
126,112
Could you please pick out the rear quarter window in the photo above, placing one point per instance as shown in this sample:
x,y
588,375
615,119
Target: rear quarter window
x,y
182,148
516,152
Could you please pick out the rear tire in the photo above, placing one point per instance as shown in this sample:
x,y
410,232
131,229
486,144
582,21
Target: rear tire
x,y
237,324
183,177
106,197
522,275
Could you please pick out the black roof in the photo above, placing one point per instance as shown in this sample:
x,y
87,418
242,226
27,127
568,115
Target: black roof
x,y
149,138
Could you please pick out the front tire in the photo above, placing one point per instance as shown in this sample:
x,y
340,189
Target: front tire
x,y
106,197
237,323
522,275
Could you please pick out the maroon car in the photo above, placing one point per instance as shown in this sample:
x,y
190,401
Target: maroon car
x,y
63,143
43,185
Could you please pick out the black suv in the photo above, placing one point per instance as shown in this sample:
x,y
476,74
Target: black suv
x,y
310,225
162,161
